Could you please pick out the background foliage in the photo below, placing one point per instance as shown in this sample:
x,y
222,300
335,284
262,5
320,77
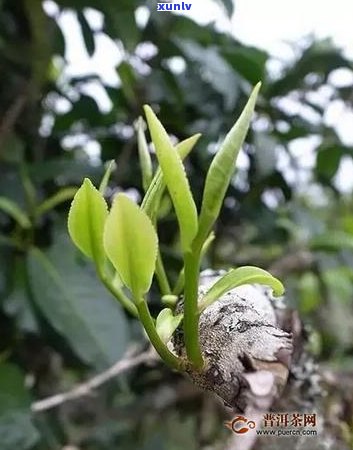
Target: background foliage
x,y
284,210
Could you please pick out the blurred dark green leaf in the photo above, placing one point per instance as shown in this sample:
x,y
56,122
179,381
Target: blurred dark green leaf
x,y
329,158
76,305
16,428
87,33
228,5
332,241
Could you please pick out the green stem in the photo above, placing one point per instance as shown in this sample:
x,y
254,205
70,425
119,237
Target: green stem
x,y
117,293
162,276
179,285
161,348
191,315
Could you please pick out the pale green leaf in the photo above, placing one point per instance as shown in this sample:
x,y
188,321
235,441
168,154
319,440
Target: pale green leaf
x,y
131,244
144,155
86,221
184,147
238,277
222,167
14,211
167,323
175,178
105,180
151,200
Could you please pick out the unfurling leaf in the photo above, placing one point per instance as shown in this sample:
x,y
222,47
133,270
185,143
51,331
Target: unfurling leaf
x,y
131,244
105,180
222,167
155,191
144,155
238,277
167,323
86,221
175,178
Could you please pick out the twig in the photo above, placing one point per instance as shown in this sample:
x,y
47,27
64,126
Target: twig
x,y
129,361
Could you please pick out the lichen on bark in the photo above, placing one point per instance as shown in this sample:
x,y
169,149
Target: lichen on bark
x,y
247,353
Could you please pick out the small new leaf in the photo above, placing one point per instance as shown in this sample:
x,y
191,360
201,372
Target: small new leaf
x,y
175,178
155,191
86,220
222,167
106,177
144,155
167,323
131,243
238,277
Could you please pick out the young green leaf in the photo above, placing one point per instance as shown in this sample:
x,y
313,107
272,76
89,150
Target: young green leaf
x,y
13,210
238,277
175,178
144,155
222,167
105,180
184,147
86,221
167,323
131,244
155,191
